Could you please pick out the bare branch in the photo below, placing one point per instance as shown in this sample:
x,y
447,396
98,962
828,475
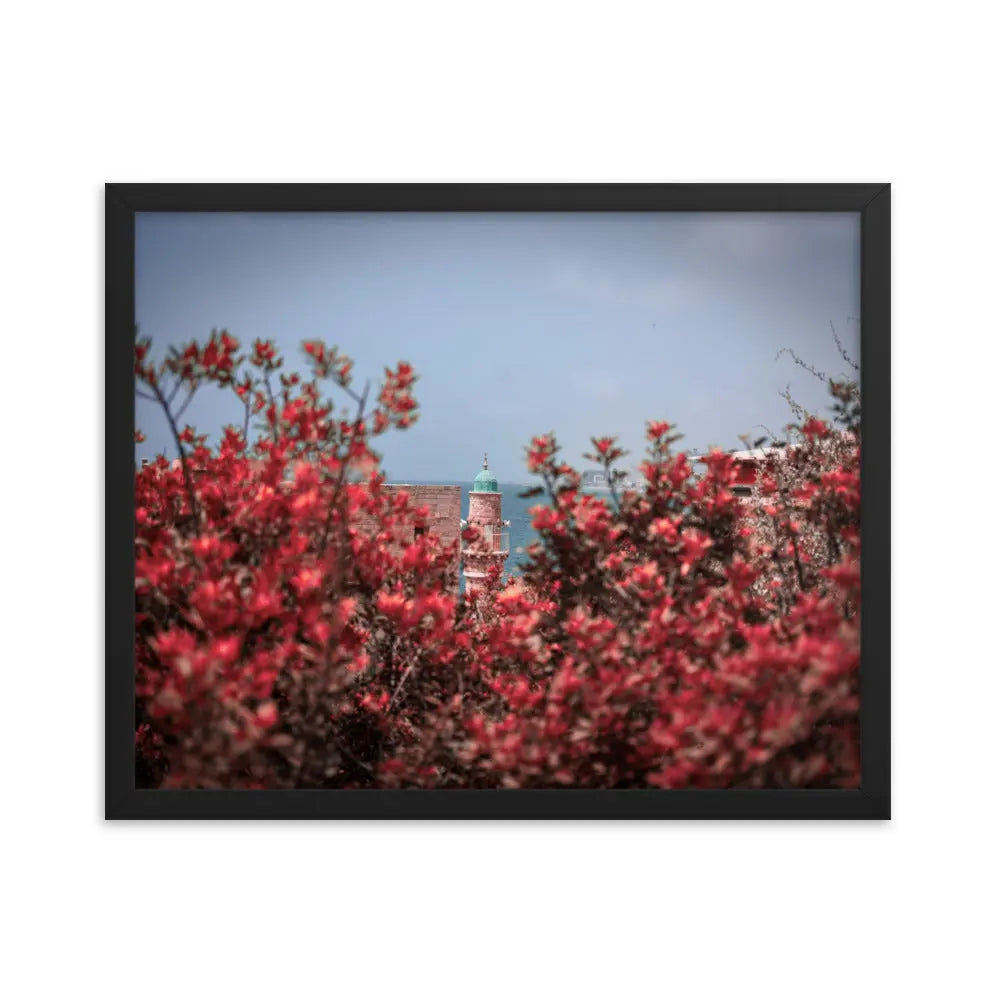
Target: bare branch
x,y
184,405
188,482
270,396
843,350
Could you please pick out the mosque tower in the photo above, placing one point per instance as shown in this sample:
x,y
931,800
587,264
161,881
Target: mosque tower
x,y
485,515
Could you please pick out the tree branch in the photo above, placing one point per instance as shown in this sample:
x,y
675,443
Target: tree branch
x,y
188,482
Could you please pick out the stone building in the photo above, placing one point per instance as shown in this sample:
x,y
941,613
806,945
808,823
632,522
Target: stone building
x,y
444,504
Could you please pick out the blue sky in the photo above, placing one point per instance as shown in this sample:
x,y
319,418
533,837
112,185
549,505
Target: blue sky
x,y
518,324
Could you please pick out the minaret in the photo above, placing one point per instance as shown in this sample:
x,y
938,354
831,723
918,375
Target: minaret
x,y
485,515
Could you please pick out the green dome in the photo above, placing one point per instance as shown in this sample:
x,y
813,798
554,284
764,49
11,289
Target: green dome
x,y
485,481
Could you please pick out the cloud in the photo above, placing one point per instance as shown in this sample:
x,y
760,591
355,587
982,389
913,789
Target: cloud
x,y
602,286
767,242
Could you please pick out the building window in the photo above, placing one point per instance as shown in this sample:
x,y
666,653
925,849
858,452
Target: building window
x,y
741,491
417,532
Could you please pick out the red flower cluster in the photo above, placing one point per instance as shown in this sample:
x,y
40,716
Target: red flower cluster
x,y
294,630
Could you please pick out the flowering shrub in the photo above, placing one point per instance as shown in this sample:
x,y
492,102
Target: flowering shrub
x,y
294,631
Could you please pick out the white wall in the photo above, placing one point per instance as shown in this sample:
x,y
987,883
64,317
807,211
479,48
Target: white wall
x,y
314,91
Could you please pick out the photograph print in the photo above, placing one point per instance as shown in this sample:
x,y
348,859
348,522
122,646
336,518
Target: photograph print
x,y
498,501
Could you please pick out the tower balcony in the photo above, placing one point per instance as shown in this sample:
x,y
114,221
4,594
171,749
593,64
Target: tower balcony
x,y
494,541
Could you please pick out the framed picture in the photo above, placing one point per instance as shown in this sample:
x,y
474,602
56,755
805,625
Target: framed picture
x,y
497,501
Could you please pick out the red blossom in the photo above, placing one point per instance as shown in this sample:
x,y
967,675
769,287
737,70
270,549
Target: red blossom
x,y
291,631
814,428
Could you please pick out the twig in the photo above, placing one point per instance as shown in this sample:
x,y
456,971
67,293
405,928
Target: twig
x,y
354,760
188,483
270,397
176,388
842,349
399,686
184,405
342,471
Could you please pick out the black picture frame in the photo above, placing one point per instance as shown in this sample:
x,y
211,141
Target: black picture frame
x,y
124,801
